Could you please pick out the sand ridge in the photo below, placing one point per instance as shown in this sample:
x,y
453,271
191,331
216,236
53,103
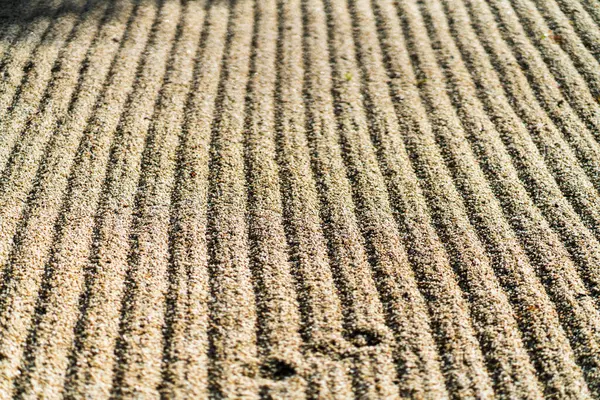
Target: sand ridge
x,y
300,199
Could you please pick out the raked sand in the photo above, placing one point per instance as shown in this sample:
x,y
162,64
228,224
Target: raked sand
x,y
297,199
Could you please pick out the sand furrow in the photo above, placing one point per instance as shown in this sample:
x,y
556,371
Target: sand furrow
x,y
13,125
571,83
560,31
447,300
143,317
74,247
550,350
543,245
592,8
61,311
278,316
483,209
35,155
232,306
26,74
545,133
365,319
364,315
186,369
114,216
299,199
346,248
18,52
302,219
573,19
318,297
423,245
492,313
534,171
548,18
38,221
545,89
565,119
16,21
49,199
468,256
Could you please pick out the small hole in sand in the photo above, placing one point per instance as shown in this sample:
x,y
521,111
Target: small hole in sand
x,y
28,67
278,370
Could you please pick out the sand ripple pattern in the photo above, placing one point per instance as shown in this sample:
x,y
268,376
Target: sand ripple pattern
x,y
303,199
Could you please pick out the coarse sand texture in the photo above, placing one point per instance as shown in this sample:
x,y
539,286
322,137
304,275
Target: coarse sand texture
x,y
299,199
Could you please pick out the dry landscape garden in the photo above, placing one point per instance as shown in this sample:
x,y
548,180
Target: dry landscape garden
x,y
289,199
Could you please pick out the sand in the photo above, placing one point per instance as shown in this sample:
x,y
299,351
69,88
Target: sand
x,y
300,199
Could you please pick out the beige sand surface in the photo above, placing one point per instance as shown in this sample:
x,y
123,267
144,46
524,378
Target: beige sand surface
x,y
329,199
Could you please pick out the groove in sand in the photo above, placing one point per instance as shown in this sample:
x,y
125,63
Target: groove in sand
x,y
299,199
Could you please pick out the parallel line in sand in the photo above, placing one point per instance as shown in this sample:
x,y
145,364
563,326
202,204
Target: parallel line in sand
x,y
592,8
368,342
538,319
553,263
573,19
562,47
69,125
23,278
19,91
491,312
115,227
560,37
559,159
232,308
300,199
29,162
32,143
278,319
193,196
56,328
10,31
100,150
18,52
189,240
454,226
318,297
549,95
572,85
432,261
463,165
177,381
142,318
532,169
58,202
447,297
545,88
12,128
78,244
